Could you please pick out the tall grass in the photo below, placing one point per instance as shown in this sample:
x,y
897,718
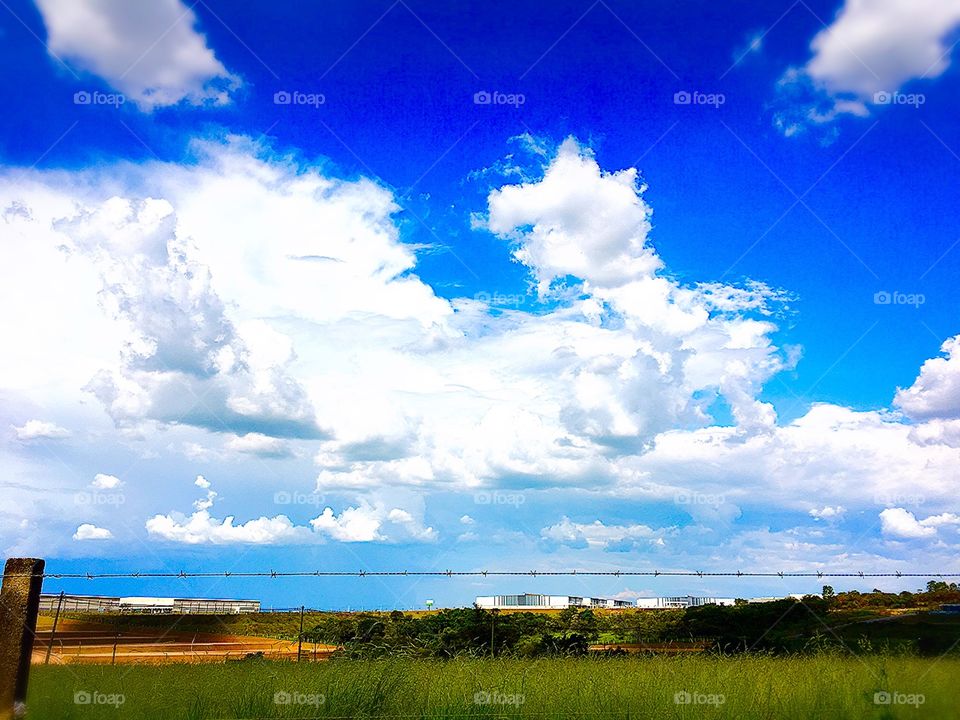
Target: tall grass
x,y
747,687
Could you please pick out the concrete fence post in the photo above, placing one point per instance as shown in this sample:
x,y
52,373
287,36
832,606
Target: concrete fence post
x,y
19,605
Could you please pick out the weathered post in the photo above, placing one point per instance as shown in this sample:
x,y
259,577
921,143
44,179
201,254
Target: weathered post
x,y
19,605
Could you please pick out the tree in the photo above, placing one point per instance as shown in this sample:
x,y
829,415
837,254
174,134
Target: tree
x,y
828,593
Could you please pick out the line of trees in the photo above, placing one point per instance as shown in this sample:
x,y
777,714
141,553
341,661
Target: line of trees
x,y
778,626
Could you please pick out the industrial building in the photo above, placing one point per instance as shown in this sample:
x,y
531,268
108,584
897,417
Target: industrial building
x,y
147,605
681,601
535,601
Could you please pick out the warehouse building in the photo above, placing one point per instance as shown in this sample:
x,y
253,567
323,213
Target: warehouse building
x,y
147,605
681,601
535,601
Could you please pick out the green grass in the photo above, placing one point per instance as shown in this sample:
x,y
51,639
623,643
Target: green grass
x,y
752,687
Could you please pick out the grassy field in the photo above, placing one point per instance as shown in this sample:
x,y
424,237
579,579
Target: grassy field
x,y
746,687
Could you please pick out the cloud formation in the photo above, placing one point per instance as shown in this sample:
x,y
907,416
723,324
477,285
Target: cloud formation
x,y
368,522
40,430
150,52
900,523
248,305
935,394
102,481
870,50
621,538
86,531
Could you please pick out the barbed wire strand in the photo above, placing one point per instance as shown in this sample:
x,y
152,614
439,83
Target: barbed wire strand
x,y
482,573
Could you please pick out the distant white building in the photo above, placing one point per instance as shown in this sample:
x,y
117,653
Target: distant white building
x,y
681,601
685,601
147,605
535,601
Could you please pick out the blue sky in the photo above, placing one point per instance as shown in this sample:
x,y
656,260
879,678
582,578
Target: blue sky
x,y
384,325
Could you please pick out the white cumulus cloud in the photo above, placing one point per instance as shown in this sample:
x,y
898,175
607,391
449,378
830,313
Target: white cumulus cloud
x,y
197,336
201,528
935,394
86,531
40,430
259,445
871,47
369,523
599,535
151,52
102,481
828,512
897,522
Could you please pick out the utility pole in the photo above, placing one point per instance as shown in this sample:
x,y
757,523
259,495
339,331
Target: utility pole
x,y
300,636
53,632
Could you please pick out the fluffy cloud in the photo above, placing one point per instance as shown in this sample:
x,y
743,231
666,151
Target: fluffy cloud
x,y
216,329
150,52
247,303
259,445
903,524
102,481
185,362
838,455
935,394
877,45
828,512
201,528
582,222
367,523
355,524
40,430
91,532
598,535
872,46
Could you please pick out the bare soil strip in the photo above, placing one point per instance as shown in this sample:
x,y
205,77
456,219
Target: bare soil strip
x,y
93,643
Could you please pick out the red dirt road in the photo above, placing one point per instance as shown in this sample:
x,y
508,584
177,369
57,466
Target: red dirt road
x,y
90,643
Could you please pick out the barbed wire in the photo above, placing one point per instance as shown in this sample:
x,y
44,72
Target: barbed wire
x,y
273,574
